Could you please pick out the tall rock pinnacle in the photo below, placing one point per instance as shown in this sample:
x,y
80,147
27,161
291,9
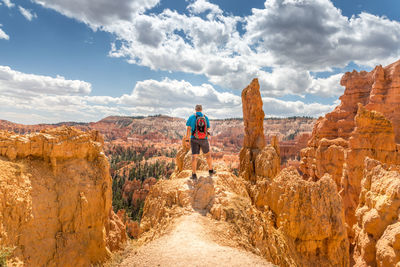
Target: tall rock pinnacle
x,y
257,161
253,116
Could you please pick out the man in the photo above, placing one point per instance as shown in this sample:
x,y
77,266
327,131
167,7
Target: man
x,y
198,127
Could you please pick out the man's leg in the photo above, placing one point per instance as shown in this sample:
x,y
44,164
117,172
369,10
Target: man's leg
x,y
209,160
195,153
194,163
206,150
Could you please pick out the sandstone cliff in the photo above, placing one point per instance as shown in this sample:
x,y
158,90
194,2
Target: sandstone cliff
x,y
378,228
55,199
278,215
343,138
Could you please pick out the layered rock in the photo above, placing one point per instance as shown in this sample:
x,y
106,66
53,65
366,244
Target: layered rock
x,y
378,227
301,223
55,198
257,161
310,216
287,220
373,137
343,138
376,90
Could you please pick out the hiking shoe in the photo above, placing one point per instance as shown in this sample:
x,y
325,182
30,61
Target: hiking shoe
x,y
194,176
211,172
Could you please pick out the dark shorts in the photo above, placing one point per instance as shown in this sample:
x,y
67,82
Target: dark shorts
x,y
196,144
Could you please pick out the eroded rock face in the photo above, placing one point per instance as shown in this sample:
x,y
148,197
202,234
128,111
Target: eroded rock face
x,y
303,227
310,215
373,137
378,228
376,90
343,138
55,198
257,161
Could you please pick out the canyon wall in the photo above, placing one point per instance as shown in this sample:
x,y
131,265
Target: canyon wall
x,y
365,124
55,199
377,231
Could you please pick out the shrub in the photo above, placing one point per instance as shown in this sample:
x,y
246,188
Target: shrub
x,y
4,254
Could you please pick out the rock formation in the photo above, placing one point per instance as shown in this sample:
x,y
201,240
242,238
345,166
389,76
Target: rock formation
x,y
377,230
257,161
136,190
55,198
280,216
373,137
282,232
310,215
343,138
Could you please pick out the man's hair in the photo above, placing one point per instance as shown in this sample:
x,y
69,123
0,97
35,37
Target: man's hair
x,y
198,108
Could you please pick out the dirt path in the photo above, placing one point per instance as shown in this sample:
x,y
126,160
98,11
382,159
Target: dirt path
x,y
191,243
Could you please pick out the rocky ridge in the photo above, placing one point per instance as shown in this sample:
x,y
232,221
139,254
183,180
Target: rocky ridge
x,y
55,199
259,211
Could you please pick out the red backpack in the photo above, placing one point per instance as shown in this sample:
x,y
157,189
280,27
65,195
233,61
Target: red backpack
x,y
200,131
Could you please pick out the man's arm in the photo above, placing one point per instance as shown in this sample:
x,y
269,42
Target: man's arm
x,y
188,132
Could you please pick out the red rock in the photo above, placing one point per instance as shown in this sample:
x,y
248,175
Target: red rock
x,y
257,161
343,138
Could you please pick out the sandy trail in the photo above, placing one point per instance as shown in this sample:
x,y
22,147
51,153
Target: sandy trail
x,y
191,243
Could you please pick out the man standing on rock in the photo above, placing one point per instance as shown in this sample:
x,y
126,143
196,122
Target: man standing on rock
x,y
197,131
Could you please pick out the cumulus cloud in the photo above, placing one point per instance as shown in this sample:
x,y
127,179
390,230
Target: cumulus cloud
x,y
281,108
25,85
327,86
290,37
315,35
8,3
29,15
98,13
48,99
3,35
201,6
280,44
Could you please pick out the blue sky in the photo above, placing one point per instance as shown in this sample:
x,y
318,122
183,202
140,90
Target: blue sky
x,y
60,61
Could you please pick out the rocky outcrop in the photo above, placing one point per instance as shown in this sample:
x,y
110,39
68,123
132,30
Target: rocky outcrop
x,y
310,215
280,216
301,223
55,198
376,90
354,130
136,190
378,229
373,137
257,161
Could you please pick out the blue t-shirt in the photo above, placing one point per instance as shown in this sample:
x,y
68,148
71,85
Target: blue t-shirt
x,y
192,122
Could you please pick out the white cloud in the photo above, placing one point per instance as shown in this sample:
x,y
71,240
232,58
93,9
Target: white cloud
x,y
27,13
327,86
280,44
314,35
290,37
281,108
29,98
97,13
201,6
25,85
8,3
3,35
